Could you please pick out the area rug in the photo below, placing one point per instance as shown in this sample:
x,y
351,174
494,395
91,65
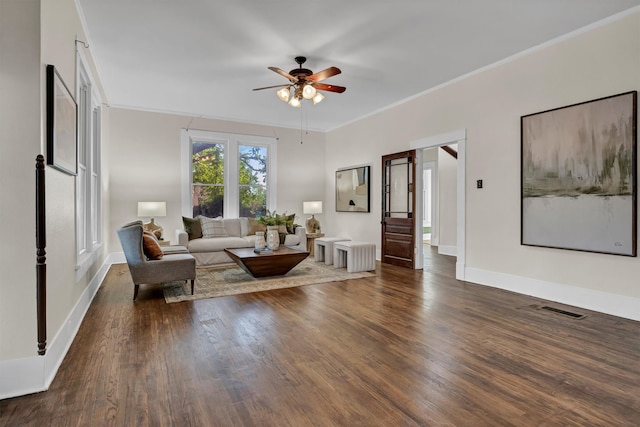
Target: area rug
x,y
230,279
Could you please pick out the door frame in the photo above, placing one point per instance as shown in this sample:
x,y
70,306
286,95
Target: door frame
x,y
455,137
433,166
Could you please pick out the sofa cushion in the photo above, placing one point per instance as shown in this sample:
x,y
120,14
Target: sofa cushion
x,y
219,244
151,247
192,227
293,240
212,227
232,226
254,225
244,226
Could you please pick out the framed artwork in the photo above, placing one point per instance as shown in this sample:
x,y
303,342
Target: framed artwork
x,y
579,173
352,189
62,139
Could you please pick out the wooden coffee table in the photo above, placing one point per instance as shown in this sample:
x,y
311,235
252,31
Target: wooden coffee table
x,y
265,264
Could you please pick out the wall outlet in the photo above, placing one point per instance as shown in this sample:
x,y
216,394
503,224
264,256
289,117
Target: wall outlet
x,y
479,183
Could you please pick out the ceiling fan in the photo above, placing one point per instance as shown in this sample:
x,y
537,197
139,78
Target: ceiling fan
x,y
304,84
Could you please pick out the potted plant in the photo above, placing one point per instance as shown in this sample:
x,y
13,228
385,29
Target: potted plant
x,y
273,221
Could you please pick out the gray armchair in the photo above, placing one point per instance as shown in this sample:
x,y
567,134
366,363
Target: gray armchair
x,y
173,266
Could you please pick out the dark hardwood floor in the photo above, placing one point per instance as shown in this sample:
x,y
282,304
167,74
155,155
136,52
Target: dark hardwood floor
x,y
406,348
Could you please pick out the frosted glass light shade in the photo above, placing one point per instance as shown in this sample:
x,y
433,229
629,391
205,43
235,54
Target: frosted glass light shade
x,y
317,98
294,102
283,94
308,92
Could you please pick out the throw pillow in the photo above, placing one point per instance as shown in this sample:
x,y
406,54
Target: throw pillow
x,y
192,227
254,225
212,227
288,222
150,234
151,247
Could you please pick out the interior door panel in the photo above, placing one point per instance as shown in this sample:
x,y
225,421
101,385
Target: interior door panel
x,y
398,205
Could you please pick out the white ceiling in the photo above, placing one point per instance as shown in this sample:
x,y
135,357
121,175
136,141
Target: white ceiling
x,y
204,57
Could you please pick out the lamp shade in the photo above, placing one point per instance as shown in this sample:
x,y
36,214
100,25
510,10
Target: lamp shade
x,y
152,209
312,207
317,98
283,94
308,92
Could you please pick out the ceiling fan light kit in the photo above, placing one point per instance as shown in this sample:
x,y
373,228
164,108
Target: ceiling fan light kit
x,y
304,84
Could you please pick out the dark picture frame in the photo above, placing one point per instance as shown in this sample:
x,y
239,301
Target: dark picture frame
x,y
579,176
61,128
353,189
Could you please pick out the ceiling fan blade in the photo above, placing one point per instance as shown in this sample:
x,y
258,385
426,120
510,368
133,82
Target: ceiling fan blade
x,y
329,88
271,87
324,74
284,74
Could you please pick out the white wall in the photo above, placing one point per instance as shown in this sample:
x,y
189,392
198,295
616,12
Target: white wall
x,y
447,201
144,161
34,33
599,61
20,143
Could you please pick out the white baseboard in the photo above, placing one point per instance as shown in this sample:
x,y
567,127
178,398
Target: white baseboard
x,y
34,374
116,258
603,302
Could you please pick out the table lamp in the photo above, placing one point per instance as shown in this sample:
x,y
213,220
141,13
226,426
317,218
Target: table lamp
x,y
315,207
151,210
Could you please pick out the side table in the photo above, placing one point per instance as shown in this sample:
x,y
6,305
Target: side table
x,y
311,237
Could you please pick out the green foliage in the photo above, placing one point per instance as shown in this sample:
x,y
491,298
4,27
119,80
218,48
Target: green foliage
x,y
272,218
208,179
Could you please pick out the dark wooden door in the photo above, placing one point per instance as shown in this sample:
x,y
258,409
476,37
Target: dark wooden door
x,y
398,206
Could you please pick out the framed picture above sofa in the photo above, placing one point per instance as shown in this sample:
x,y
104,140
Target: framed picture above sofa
x,y
578,184
353,189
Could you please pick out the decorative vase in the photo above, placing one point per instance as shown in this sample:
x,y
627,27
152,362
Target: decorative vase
x,y
273,238
260,242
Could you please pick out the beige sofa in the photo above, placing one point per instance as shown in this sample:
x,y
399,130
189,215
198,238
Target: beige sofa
x,y
210,251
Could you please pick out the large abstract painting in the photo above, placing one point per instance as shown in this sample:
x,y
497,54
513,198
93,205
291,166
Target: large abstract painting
x,y
579,176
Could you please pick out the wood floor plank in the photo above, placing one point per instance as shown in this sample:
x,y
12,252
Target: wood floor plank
x,y
406,348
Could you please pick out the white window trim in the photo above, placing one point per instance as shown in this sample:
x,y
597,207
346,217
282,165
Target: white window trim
x,y
231,184
87,254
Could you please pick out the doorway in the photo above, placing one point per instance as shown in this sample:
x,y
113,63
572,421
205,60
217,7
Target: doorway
x,y
458,137
429,202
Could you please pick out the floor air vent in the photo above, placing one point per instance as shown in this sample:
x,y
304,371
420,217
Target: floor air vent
x,y
563,312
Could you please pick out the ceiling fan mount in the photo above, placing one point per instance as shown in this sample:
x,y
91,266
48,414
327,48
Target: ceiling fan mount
x,y
300,72
304,83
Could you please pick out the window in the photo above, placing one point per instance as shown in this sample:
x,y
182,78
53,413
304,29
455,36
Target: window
x,y
252,180
207,189
88,194
227,175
